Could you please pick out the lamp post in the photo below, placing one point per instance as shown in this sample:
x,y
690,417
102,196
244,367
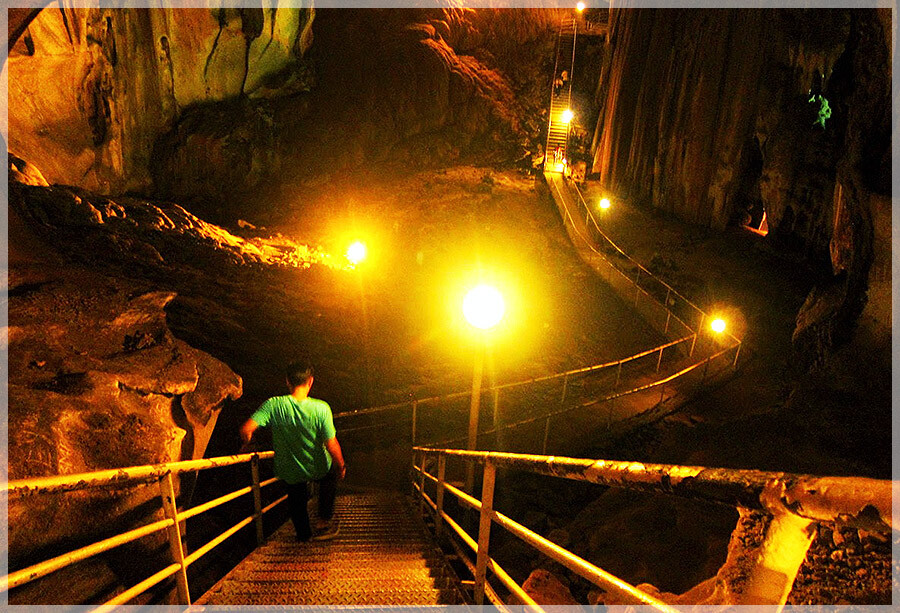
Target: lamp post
x,y
355,254
483,308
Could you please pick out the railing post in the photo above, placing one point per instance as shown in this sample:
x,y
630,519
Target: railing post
x,y
484,530
736,354
496,407
659,359
637,287
618,376
442,477
668,317
422,484
257,499
167,492
565,386
546,435
415,410
696,334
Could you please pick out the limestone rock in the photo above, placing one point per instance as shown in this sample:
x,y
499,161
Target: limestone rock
x,y
97,381
547,589
699,119
406,88
25,173
145,232
92,88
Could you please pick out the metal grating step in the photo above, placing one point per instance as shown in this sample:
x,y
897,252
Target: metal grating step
x,y
342,598
381,556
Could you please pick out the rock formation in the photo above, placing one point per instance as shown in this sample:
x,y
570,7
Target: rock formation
x,y
92,89
711,114
96,378
219,107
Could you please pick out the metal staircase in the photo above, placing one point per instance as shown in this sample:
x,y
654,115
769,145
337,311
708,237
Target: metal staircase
x,y
381,556
556,154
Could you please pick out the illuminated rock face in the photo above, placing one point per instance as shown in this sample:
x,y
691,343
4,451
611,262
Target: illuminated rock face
x,y
410,89
211,106
92,89
97,380
707,114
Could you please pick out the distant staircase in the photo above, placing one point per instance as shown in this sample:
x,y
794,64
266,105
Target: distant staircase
x,y
556,152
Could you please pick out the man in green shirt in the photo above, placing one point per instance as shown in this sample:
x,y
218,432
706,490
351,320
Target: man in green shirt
x,y
306,449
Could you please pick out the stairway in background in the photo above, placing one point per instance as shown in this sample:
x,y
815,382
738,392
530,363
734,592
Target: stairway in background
x,y
555,154
381,556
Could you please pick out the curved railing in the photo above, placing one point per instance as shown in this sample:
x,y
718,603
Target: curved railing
x,y
666,311
137,475
792,503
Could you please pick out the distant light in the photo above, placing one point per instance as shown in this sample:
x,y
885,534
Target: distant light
x,y
718,325
605,203
483,307
579,7
567,115
356,252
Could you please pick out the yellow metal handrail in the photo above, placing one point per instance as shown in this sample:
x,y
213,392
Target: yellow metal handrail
x,y
502,386
793,501
594,401
137,475
670,292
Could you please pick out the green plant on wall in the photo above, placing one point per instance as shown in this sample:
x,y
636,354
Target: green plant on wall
x,y
824,109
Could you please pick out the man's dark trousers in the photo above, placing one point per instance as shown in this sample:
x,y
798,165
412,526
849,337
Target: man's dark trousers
x,y
298,496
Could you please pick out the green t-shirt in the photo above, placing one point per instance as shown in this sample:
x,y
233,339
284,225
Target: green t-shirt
x,y
299,431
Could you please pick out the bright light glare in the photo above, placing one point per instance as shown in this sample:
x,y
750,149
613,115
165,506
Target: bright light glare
x,y
356,253
580,6
604,203
718,325
483,307
567,115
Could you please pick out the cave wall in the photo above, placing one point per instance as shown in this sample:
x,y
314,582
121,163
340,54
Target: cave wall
x,y
91,89
405,89
218,108
710,114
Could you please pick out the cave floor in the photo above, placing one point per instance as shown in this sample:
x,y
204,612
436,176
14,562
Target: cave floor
x,y
391,330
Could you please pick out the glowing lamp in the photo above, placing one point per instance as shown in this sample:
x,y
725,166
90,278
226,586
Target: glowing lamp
x,y
605,203
356,253
483,307
579,7
718,325
567,115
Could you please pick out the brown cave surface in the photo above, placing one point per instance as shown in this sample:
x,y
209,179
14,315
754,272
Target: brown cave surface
x,y
184,185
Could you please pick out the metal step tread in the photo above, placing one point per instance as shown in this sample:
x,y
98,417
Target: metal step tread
x,y
344,598
381,555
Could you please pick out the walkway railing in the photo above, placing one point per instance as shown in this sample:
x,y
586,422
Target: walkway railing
x,y
668,302
162,474
657,301
793,503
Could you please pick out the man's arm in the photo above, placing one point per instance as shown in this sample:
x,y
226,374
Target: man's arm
x,y
334,448
247,431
